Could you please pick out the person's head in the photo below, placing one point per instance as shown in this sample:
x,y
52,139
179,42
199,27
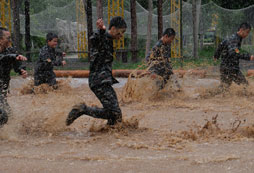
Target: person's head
x,y
52,40
168,35
117,27
244,30
5,38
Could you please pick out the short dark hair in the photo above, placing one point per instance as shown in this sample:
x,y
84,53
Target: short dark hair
x,y
169,32
50,36
2,29
244,26
117,22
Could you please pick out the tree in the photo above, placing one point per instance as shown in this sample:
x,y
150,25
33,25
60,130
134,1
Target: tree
x,y
196,5
149,25
88,7
133,31
16,24
160,18
99,9
233,4
27,28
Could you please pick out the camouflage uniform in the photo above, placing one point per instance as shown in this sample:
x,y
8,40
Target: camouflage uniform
x,y
101,79
7,62
230,56
158,61
43,72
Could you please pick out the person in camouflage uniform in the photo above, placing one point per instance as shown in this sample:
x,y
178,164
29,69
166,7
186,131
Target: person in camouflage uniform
x,y
158,60
229,51
100,77
9,58
48,58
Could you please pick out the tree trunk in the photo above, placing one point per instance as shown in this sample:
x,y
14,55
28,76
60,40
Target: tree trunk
x,y
88,7
133,31
99,9
27,29
149,26
196,5
16,24
201,38
160,19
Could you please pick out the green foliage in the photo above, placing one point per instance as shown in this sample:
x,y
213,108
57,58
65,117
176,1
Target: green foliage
x,y
228,22
233,4
13,73
205,59
38,42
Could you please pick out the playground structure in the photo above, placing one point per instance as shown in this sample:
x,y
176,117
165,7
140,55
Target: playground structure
x,y
115,8
81,29
5,19
176,23
176,13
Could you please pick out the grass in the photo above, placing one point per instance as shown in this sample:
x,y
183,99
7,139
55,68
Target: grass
x,y
205,59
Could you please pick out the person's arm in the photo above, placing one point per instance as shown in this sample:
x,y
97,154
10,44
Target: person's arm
x,y
156,53
19,67
44,61
97,39
59,58
4,57
17,59
233,50
219,50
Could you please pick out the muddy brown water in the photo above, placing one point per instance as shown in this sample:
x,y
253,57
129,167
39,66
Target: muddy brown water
x,y
196,130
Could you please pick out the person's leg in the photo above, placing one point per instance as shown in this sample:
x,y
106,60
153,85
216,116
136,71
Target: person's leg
x,y
108,99
169,76
226,79
51,80
159,70
39,79
175,82
110,111
5,109
239,78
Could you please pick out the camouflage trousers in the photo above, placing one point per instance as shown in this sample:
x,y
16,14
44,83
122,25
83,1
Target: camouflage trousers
x,y
5,109
108,98
166,72
228,76
47,77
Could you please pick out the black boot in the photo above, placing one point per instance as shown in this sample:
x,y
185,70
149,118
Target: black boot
x,y
117,118
3,117
76,112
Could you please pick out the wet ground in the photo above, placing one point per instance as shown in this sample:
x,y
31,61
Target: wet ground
x,y
196,130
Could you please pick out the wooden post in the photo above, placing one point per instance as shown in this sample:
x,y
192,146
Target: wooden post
x,y
88,7
149,26
16,24
134,57
27,29
160,19
99,9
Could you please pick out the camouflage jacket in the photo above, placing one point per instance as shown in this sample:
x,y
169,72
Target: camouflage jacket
x,y
101,58
229,52
7,62
160,52
46,53
159,56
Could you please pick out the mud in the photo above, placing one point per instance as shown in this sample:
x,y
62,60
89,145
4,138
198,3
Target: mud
x,y
198,129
